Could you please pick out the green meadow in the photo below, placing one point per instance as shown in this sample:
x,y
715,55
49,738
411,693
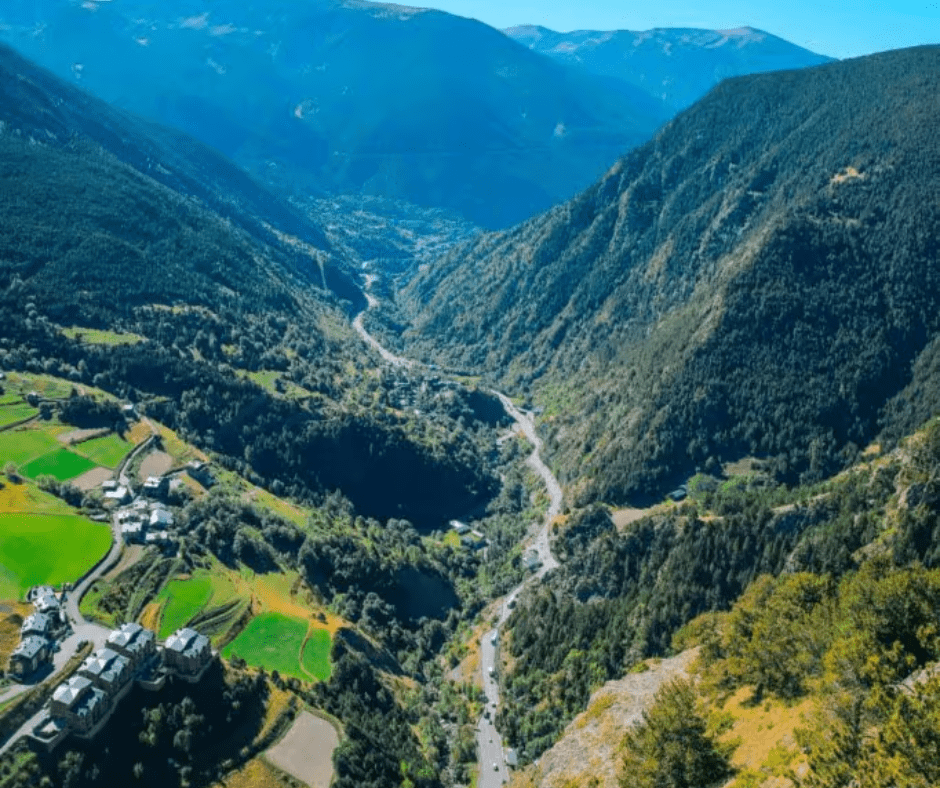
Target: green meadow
x,y
274,641
12,412
22,445
316,657
182,599
61,463
47,549
107,451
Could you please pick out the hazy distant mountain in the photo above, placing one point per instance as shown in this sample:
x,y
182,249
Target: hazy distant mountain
x,y
137,213
676,65
348,96
761,278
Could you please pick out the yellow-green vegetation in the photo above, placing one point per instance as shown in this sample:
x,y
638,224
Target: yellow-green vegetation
x,y
107,451
173,445
96,336
17,410
277,384
261,497
23,444
47,549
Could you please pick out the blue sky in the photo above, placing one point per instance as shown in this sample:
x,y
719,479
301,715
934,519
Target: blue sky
x,y
840,29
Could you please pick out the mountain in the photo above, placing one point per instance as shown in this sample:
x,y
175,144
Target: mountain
x,y
337,96
676,65
240,331
761,278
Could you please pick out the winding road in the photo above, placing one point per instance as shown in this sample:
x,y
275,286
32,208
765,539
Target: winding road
x,y
493,771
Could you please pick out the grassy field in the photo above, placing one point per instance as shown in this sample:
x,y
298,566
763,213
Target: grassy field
x,y
22,445
266,379
272,641
94,336
47,549
107,451
182,599
315,659
61,463
12,412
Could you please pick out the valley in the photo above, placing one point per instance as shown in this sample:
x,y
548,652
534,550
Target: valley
x,y
458,407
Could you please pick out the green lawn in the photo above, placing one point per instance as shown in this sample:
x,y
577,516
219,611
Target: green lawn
x,y
61,463
10,413
107,451
38,549
182,599
22,445
316,656
273,641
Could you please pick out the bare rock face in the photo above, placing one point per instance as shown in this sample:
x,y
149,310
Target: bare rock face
x,y
591,742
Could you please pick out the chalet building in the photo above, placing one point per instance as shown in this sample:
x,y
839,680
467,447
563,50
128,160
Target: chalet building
x,y
30,655
48,605
38,592
132,532
133,642
161,518
199,471
187,652
119,495
156,486
108,671
459,527
80,703
38,625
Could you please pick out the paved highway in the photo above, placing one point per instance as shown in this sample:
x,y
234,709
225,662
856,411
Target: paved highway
x,y
492,756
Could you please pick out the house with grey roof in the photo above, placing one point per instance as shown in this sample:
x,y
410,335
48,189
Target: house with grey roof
x,y
37,624
80,703
31,654
134,642
187,653
161,518
109,671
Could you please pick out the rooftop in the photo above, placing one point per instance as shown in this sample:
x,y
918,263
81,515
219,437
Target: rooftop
x,y
68,693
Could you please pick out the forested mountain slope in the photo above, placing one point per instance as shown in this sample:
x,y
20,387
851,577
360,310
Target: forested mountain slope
x,y
760,278
677,65
68,124
325,95
99,230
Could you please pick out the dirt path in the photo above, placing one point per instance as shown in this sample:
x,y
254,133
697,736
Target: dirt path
x,y
306,752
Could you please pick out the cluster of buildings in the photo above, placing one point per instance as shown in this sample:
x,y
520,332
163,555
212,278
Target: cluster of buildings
x,y
469,538
39,633
84,703
146,522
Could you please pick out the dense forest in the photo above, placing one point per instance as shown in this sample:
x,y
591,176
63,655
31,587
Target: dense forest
x,y
622,595
761,278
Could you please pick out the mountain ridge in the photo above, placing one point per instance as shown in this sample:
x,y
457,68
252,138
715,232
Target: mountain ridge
x,y
635,311
677,65
284,90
